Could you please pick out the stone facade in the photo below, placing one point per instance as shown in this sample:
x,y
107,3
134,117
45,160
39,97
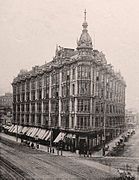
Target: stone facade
x,y
78,91
6,100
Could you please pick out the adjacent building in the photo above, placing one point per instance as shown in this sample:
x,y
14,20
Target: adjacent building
x,y
6,103
131,118
77,93
6,100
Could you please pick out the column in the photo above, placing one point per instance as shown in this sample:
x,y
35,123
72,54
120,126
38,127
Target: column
x,y
60,94
30,103
70,103
42,120
76,92
49,123
20,116
36,122
105,105
25,90
91,100
70,112
94,95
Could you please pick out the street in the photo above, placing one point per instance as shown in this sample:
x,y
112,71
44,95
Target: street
x,y
132,146
37,164
40,164
129,160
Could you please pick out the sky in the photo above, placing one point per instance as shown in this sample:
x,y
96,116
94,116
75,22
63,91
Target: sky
x,y
30,30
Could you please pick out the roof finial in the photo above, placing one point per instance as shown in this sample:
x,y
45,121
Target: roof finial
x,y
85,15
85,22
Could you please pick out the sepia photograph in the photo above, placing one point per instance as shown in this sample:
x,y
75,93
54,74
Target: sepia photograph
x,y
69,89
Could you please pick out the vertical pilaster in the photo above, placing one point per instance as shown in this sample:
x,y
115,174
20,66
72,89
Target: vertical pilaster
x,y
30,114
42,121
60,94
91,100
76,92
50,95
105,103
70,103
30,103
42,95
36,121
94,95
25,91
20,116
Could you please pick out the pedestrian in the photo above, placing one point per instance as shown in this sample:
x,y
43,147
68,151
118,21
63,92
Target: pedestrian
x,y
90,152
37,146
32,145
103,151
48,147
79,151
61,146
85,149
28,143
57,149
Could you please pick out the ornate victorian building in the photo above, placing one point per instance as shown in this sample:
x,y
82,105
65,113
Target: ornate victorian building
x,y
77,93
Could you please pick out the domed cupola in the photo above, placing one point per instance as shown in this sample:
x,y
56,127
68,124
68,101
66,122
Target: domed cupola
x,y
85,41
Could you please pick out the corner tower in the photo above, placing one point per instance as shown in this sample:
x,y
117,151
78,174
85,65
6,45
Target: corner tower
x,y
84,44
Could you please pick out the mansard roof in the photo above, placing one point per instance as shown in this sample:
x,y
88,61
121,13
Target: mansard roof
x,y
67,56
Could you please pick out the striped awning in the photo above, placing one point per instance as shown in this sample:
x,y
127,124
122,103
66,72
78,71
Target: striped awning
x,y
14,129
43,131
60,136
35,130
11,128
30,131
38,132
18,130
25,129
45,134
48,135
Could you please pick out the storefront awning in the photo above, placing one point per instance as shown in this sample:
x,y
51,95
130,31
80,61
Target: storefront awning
x,y
11,128
45,134
14,130
34,132
59,137
29,130
48,135
25,129
38,132
29,133
18,130
41,134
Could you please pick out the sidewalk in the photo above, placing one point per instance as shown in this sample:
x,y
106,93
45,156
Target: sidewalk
x,y
64,153
41,147
111,144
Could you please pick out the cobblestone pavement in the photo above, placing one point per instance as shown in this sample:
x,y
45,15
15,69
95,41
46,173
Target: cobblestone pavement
x,y
43,165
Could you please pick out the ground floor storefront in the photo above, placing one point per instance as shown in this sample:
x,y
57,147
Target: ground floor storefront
x,y
85,142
